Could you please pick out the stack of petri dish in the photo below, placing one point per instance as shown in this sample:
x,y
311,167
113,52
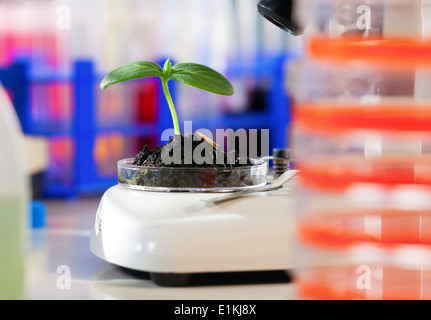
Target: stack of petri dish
x,y
361,138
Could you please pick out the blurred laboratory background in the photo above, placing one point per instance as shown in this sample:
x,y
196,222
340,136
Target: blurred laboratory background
x,y
53,54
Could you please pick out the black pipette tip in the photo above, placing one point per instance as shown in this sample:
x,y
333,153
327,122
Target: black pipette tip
x,y
280,12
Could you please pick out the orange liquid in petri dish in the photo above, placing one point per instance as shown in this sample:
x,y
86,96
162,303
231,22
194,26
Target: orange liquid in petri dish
x,y
391,52
364,282
373,278
331,117
385,227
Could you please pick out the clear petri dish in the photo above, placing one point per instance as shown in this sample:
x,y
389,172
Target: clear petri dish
x,y
174,179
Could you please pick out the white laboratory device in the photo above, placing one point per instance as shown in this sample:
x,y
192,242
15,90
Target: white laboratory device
x,y
173,235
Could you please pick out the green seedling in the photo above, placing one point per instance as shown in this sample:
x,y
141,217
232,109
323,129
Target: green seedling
x,y
192,74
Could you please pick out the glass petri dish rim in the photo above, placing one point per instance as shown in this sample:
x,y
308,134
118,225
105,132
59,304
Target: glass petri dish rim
x,y
258,170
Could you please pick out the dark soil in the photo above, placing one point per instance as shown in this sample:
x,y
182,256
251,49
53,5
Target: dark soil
x,y
217,169
210,159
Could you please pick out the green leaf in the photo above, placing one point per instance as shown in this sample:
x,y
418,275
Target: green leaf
x,y
167,67
201,77
131,71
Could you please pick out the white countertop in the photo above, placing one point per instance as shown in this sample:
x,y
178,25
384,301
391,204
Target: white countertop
x,y
60,252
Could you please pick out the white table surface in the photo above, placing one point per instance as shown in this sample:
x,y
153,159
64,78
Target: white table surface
x,y
60,252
